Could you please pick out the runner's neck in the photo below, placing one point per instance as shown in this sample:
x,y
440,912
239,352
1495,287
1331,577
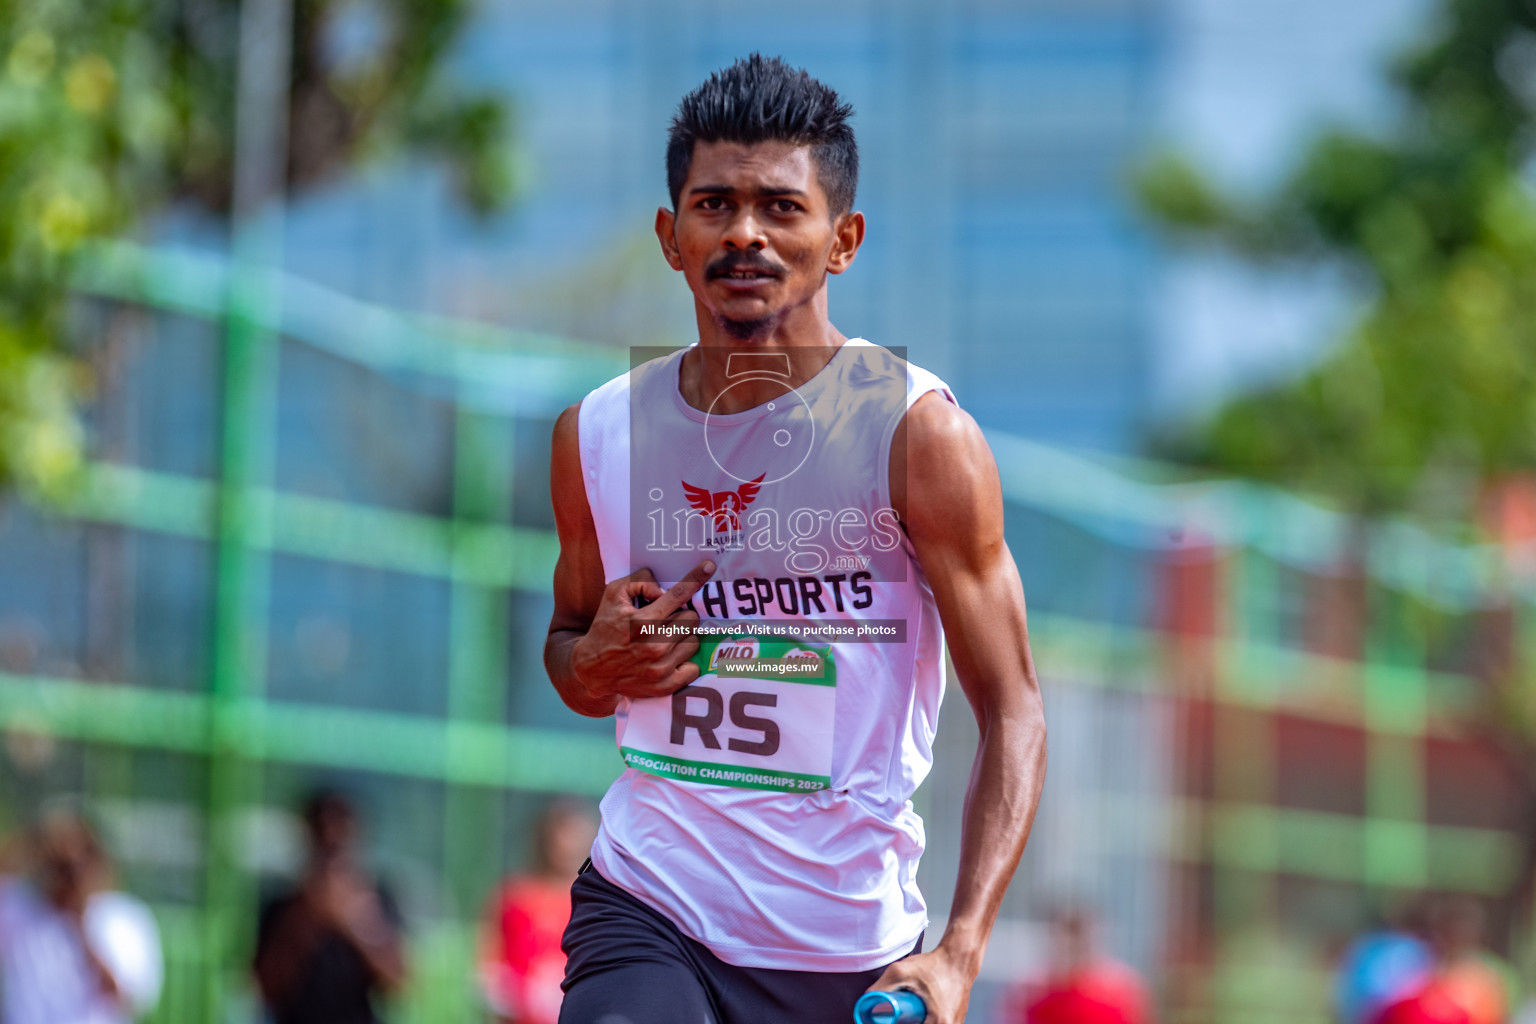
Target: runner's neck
x,y
707,372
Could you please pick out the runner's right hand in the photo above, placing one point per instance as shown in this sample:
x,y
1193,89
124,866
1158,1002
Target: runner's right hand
x,y
609,662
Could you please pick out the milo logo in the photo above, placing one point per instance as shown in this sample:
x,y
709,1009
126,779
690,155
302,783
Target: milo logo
x,y
741,648
754,657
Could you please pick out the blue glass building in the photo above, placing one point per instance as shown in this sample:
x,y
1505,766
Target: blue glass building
x,y
995,138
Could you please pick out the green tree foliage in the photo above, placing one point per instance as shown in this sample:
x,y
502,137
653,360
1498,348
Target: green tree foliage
x,y
1434,218
112,109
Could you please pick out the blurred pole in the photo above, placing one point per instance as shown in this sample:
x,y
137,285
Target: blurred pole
x,y
250,364
1244,845
1395,699
473,816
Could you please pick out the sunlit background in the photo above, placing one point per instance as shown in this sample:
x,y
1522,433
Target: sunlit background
x,y
1242,291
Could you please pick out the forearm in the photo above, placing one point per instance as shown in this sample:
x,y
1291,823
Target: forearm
x,y
558,648
1000,804
382,953
105,979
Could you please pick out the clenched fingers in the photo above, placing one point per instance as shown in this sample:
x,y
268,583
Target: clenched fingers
x,y
679,677
638,589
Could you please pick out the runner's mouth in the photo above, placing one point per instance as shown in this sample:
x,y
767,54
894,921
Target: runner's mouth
x,y
738,271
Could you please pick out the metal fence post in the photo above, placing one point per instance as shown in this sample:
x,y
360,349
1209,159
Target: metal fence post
x,y
244,510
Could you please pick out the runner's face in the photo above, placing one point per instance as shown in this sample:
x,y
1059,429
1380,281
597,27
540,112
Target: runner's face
x,y
753,233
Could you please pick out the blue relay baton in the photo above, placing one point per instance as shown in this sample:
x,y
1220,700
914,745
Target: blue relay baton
x,y
899,1007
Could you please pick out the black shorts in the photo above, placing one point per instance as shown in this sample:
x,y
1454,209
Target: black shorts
x,y
626,964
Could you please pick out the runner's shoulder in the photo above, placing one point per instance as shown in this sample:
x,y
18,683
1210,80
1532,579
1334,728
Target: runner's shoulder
x,y
941,463
609,402
565,439
935,429
567,425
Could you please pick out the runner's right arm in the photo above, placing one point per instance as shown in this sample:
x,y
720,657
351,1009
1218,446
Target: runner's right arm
x,y
589,653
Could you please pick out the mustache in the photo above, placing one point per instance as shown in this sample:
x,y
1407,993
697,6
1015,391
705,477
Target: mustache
x,y
736,261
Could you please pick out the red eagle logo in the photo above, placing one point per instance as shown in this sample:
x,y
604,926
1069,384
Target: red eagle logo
x,y
725,506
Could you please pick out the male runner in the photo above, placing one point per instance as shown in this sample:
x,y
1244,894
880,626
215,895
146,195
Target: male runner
x,y
757,858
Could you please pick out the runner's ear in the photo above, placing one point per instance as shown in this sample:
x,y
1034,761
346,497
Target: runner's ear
x,y
847,236
666,223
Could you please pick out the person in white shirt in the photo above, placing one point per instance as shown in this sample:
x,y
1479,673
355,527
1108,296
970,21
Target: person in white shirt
x,y
833,515
72,950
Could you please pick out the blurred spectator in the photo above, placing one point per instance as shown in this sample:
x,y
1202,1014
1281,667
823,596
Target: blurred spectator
x,y
1469,974
1384,967
72,951
1083,987
328,947
1467,984
522,964
1429,1005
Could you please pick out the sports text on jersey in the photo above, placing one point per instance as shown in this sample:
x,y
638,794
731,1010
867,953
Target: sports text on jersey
x,y
753,597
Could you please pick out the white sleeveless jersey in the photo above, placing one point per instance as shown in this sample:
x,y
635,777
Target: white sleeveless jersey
x,y
766,809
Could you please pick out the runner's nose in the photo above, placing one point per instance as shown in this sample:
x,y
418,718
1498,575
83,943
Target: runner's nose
x,y
744,231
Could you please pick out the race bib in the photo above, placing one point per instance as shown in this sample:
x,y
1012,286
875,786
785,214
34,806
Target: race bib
x,y
759,716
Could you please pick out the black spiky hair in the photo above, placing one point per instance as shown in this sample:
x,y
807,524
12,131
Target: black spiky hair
x,y
763,99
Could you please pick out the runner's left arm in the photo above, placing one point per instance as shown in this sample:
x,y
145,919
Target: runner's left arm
x,y
949,500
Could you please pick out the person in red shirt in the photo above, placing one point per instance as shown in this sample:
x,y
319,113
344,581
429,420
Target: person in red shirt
x,y
1469,983
1431,1005
1083,987
1470,974
521,963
